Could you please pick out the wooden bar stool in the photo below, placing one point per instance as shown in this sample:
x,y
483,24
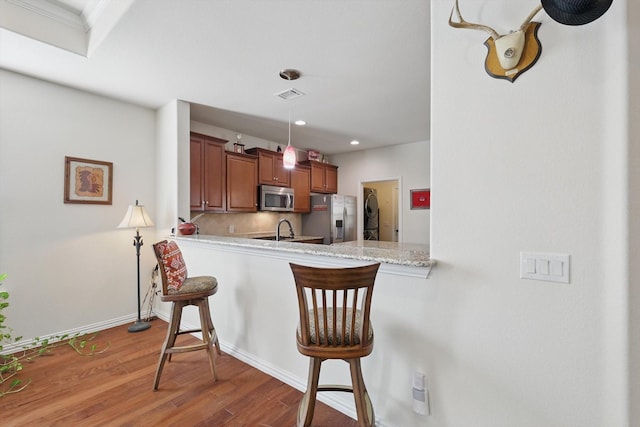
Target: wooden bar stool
x,y
334,323
182,291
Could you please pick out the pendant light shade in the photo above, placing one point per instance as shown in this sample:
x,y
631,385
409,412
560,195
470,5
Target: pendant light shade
x,y
289,156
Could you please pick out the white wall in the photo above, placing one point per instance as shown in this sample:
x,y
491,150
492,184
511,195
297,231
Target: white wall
x,y
172,161
68,264
537,165
409,162
633,48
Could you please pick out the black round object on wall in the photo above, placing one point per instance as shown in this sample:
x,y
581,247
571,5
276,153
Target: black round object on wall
x,y
575,12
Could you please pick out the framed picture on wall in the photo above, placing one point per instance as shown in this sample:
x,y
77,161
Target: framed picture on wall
x,y
421,199
87,181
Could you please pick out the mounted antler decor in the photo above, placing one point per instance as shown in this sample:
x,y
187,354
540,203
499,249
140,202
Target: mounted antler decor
x,y
510,54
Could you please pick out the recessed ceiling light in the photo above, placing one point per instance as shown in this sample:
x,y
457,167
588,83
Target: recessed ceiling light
x,y
355,142
300,122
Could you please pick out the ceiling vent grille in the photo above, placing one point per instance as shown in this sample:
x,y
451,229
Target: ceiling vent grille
x,y
290,93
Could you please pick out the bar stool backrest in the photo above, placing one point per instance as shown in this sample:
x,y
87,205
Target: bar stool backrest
x,y
334,306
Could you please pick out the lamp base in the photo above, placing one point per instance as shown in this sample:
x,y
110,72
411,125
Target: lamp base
x,y
139,326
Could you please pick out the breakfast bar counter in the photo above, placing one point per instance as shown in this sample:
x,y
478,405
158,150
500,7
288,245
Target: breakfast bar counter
x,y
256,309
401,258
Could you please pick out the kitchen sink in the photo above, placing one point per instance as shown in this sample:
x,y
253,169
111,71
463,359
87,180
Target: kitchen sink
x,y
273,238
297,239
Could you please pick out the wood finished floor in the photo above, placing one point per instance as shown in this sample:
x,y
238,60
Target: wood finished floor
x,y
114,389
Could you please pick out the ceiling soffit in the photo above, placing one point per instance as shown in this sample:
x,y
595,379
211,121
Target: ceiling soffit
x,y
74,25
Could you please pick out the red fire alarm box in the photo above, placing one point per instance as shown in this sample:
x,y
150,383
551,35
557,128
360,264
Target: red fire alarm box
x,y
421,199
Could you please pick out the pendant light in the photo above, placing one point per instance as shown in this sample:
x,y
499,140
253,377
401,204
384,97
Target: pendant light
x,y
289,156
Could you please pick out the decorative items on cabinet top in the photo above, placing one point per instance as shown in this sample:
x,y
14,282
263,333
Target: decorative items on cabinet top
x,y
238,147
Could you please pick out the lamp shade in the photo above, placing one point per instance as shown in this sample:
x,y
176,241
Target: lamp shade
x,y
136,217
289,157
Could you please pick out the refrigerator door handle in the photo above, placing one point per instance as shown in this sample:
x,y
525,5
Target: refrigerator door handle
x,y
346,224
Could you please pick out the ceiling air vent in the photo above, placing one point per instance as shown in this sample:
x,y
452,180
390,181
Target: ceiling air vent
x,y
290,93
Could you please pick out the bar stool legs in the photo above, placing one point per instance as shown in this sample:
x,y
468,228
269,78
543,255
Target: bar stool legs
x,y
364,407
209,336
211,328
308,402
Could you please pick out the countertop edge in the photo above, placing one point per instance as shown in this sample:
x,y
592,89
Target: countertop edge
x,y
392,261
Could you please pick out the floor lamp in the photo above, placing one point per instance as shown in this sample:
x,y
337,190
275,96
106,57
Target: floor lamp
x,y
136,217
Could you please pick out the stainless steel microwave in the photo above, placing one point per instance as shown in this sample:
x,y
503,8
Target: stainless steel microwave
x,y
275,199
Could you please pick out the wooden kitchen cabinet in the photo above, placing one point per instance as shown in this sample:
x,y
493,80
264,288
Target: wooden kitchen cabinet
x,y
207,177
271,169
242,181
324,177
301,184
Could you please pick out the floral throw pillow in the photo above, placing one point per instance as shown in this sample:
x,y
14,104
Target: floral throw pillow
x,y
173,264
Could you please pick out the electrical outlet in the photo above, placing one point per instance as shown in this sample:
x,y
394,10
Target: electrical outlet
x,y
232,229
420,394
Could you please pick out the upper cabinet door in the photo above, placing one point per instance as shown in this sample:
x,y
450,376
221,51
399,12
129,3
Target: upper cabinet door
x,y
266,170
207,177
317,177
331,178
324,177
301,184
214,176
283,176
242,179
271,170
196,190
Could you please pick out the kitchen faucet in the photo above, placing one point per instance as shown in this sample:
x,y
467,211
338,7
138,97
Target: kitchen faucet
x,y
278,229
193,221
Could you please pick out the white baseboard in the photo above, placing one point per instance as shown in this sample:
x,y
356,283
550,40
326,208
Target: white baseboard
x,y
87,329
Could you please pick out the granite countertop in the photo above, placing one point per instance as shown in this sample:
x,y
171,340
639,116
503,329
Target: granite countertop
x,y
405,254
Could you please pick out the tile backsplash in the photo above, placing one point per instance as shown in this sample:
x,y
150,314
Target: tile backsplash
x,y
239,224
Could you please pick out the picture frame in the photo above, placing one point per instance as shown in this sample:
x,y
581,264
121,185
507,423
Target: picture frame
x,y
421,198
88,181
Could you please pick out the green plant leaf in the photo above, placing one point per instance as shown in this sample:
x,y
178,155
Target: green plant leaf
x,y
10,365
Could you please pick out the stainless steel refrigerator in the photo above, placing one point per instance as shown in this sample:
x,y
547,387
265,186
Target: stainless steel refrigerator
x,y
333,216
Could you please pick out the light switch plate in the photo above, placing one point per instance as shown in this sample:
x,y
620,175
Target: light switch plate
x,y
549,267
